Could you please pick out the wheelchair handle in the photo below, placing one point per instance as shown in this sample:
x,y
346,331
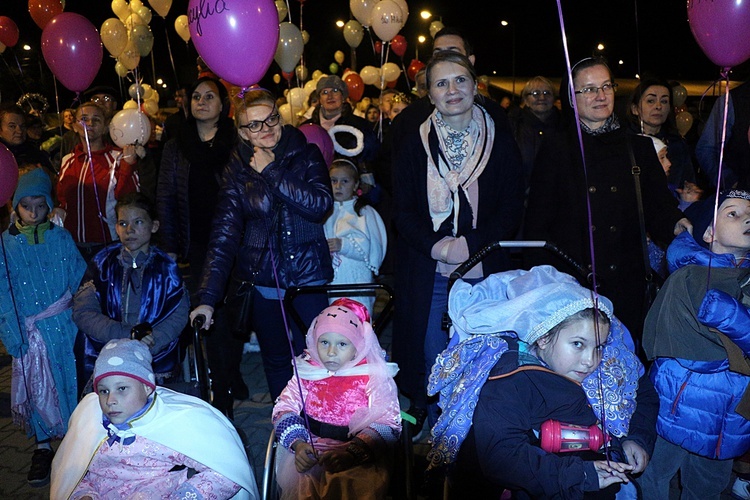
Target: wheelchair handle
x,y
199,321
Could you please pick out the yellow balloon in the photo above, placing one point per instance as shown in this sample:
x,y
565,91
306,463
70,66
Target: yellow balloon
x,y
277,78
305,37
181,26
130,104
114,36
132,21
121,9
338,56
161,6
145,14
121,70
135,5
281,9
684,122
130,57
150,107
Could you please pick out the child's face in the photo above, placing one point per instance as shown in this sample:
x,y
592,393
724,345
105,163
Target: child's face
x,y
574,352
732,228
335,350
665,163
32,210
120,397
134,228
343,184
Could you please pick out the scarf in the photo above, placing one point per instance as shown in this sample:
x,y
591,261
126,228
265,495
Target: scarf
x,y
612,123
34,234
458,162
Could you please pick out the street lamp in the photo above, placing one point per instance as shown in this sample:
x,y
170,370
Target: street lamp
x,y
505,24
425,14
420,39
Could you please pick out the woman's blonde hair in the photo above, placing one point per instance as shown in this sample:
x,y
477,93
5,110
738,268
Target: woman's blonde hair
x,y
252,98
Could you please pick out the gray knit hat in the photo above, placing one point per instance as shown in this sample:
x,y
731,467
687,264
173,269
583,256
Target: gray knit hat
x,y
125,357
332,82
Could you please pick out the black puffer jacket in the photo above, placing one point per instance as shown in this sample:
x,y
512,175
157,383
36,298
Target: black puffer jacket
x,y
283,206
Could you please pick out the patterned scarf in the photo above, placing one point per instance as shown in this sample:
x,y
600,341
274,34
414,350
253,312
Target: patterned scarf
x,y
461,159
612,123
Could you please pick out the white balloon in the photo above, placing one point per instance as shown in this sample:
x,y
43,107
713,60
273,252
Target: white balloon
x,y
135,90
370,75
387,19
290,47
390,71
353,33
435,26
404,8
362,9
296,98
309,87
130,126
286,113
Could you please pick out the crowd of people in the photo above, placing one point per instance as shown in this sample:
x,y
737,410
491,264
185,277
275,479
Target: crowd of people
x,y
93,302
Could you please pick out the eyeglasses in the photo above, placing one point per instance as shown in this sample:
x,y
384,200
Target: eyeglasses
x,y
102,98
539,93
256,126
328,91
607,88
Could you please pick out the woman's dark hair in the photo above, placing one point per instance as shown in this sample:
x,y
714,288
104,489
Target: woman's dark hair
x,y
450,30
646,82
590,62
452,57
223,96
585,314
354,171
137,200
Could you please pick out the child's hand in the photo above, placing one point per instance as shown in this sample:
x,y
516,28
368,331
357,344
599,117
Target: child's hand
x,y
611,473
337,460
690,192
683,225
334,245
304,456
637,456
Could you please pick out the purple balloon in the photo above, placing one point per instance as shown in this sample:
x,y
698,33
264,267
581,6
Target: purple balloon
x,y
319,136
236,38
8,174
73,50
722,29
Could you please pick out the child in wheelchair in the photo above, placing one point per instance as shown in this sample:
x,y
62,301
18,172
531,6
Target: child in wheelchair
x,y
541,393
337,422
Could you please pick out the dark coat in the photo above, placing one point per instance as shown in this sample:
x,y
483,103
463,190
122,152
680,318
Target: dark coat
x,y
557,212
172,200
371,143
500,206
288,201
529,132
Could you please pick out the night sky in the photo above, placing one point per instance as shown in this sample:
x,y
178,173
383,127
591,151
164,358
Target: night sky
x,y
667,46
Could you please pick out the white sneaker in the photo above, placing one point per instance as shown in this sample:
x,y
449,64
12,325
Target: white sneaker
x,y
741,489
251,346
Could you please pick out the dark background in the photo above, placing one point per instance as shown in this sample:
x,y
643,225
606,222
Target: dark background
x,y
667,46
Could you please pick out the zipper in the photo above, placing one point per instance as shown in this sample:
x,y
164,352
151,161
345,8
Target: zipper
x,y
679,393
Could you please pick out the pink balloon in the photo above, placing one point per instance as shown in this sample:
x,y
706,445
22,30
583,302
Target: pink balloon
x,y
8,31
9,174
722,29
317,135
236,38
73,50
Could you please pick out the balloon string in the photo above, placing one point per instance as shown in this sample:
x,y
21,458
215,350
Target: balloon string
x,y
105,233
592,253
10,72
18,63
60,122
637,38
171,57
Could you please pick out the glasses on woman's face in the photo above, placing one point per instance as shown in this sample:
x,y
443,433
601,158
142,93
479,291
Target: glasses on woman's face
x,y
591,92
270,121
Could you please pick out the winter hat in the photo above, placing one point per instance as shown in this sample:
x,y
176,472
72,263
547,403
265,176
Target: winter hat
x,y
658,143
701,213
344,320
333,82
35,182
125,357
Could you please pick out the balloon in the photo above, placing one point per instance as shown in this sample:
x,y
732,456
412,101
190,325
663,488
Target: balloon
x,y
310,87
370,75
135,90
435,26
679,95
414,66
290,47
338,56
286,113
353,34
2,48
679,109
387,19
301,72
153,96
484,79
722,29
42,11
130,104
135,5
305,37
281,9
288,75
317,135
362,10
145,14
143,39
236,38
181,27
391,84
73,50
390,71
114,36
130,126
150,107
121,9
277,78
133,20
398,45
121,70
130,57
378,48
404,8
161,6
317,74
355,85
9,174
684,122
296,97
333,68
147,91
8,32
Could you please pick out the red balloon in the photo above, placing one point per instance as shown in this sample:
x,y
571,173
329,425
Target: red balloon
x,y
355,85
8,32
8,174
378,48
42,11
391,84
722,29
398,45
288,75
414,66
73,50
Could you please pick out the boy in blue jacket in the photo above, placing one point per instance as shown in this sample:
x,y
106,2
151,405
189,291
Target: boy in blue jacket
x,y
698,334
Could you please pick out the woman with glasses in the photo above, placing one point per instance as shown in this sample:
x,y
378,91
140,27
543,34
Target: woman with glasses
x,y
560,192
267,234
186,196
